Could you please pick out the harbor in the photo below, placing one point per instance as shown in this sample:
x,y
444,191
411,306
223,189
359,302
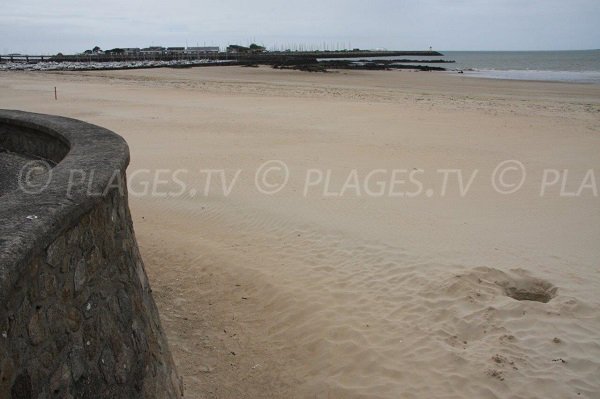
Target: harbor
x,y
159,57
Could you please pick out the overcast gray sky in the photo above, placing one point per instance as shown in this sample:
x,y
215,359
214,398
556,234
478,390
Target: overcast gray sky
x,y
42,26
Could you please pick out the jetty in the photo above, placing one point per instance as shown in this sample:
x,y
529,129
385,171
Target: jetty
x,y
258,57
176,57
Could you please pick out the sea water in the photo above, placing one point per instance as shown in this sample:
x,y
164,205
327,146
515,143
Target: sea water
x,y
567,66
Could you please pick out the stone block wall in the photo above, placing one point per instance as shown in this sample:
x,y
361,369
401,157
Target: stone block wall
x,y
77,318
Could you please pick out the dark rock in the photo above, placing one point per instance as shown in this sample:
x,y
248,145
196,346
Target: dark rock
x,y
78,364
7,372
56,252
21,388
73,319
79,276
60,380
107,365
36,329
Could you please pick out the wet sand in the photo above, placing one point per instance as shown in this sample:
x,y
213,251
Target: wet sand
x,y
357,287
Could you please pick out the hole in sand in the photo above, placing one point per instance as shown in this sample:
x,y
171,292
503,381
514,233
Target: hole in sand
x,y
529,289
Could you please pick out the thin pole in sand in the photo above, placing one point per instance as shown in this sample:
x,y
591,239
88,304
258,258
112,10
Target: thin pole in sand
x,y
55,96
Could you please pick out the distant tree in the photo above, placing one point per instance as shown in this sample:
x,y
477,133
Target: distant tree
x,y
59,55
96,49
234,48
87,52
255,48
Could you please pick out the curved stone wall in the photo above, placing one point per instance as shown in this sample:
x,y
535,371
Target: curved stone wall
x,y
77,318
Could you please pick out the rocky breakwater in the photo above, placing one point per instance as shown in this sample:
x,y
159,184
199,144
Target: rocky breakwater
x,y
77,318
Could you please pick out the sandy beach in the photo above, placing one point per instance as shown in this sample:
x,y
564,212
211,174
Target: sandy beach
x,y
352,234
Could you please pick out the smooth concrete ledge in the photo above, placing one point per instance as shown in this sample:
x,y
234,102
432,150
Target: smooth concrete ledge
x,y
77,318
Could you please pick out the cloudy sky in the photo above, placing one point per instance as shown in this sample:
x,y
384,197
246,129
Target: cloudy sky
x,y
47,27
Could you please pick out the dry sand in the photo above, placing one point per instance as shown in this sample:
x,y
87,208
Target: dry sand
x,y
358,296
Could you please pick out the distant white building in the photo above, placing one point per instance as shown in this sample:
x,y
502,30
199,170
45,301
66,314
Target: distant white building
x,y
202,50
175,50
131,50
153,50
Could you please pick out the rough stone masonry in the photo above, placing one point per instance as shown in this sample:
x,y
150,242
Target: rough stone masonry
x,y
77,318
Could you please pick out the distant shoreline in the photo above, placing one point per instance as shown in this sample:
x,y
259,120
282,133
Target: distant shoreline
x,y
307,61
262,57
